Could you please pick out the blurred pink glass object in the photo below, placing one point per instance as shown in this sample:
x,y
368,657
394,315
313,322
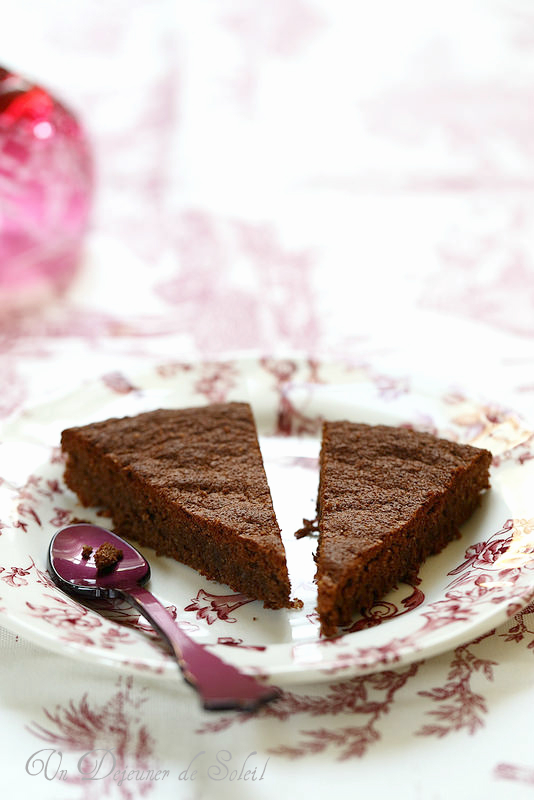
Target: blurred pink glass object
x,y
45,193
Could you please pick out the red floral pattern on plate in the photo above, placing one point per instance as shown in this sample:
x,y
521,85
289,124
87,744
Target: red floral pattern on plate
x,y
292,420
78,624
213,607
384,610
229,641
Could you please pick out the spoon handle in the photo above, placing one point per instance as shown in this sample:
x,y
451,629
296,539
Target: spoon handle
x,y
220,685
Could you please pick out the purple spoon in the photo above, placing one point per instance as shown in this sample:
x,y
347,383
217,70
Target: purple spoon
x,y
220,685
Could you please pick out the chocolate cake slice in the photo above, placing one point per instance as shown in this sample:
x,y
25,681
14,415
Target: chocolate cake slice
x,y
388,498
191,484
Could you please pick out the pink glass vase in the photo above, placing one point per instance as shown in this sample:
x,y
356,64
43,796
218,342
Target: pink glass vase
x,y
45,193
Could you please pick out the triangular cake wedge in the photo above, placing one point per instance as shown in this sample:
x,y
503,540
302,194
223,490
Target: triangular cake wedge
x,y
191,484
388,498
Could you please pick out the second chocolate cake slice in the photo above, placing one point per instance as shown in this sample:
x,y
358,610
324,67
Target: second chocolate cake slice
x,y
388,498
191,484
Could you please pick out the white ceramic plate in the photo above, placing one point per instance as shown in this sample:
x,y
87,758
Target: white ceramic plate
x,y
472,586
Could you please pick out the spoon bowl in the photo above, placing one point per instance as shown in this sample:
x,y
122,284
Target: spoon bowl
x,y
76,574
220,684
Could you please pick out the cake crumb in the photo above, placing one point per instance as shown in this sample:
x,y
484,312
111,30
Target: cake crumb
x,y
309,527
86,551
104,512
297,603
107,556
